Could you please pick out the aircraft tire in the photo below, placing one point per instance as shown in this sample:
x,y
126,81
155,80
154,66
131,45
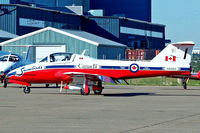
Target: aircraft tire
x,y
98,92
5,83
27,90
83,92
185,85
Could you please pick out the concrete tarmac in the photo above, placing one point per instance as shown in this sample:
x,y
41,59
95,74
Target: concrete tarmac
x,y
120,109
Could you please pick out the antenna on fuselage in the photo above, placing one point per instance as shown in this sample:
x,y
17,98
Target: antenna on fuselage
x,y
83,53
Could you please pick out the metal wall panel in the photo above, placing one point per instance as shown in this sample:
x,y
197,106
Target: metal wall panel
x,y
152,37
50,37
136,9
4,1
101,26
133,24
50,18
8,18
118,53
59,4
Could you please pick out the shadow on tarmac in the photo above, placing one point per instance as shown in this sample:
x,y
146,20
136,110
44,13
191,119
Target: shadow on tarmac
x,y
131,94
128,94
118,94
146,94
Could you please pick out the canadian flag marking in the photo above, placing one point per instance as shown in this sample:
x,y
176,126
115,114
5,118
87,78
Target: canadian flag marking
x,y
170,58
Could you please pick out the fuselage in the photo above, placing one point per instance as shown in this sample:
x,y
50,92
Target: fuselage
x,y
54,72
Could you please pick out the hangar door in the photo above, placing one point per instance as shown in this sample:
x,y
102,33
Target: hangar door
x,y
42,52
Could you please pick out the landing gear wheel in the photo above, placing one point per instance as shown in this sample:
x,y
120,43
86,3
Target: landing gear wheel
x,y
27,90
83,92
98,92
2,78
5,82
185,85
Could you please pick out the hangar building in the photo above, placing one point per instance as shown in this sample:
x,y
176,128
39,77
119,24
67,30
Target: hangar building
x,y
65,41
133,33
20,20
25,16
135,9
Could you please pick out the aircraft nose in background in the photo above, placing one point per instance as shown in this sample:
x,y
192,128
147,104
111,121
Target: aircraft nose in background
x,y
4,66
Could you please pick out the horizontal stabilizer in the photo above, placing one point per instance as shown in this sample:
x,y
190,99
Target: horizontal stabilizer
x,y
196,75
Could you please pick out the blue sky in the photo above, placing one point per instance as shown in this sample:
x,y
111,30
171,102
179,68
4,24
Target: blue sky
x,y
181,18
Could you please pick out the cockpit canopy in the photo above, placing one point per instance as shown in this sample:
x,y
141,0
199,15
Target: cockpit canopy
x,y
10,58
57,57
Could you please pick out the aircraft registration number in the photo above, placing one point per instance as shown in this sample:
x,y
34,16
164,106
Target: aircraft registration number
x,y
171,68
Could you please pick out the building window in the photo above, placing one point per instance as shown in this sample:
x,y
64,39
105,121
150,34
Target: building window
x,y
141,32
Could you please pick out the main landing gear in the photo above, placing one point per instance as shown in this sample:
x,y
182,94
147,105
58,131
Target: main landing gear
x,y
85,90
96,88
2,80
5,83
96,91
184,82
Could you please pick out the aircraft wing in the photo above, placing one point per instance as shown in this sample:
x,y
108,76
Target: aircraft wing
x,y
91,77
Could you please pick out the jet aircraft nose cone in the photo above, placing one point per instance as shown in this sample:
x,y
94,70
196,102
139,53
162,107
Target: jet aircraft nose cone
x,y
4,66
2,73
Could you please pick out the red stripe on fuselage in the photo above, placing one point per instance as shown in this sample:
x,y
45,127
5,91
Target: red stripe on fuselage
x,y
57,75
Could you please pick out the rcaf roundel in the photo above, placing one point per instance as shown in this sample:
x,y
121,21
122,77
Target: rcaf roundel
x,y
134,68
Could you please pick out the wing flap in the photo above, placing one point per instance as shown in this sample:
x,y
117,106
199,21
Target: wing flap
x,y
91,77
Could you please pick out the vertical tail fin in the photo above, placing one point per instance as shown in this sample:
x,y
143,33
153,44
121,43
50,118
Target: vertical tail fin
x,y
180,52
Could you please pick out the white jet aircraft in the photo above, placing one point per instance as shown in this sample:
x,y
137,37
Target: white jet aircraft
x,y
10,62
84,71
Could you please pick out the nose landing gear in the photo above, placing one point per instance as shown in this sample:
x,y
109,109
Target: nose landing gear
x,y
27,90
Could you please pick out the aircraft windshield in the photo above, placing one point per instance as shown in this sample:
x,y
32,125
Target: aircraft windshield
x,y
58,57
4,58
12,58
